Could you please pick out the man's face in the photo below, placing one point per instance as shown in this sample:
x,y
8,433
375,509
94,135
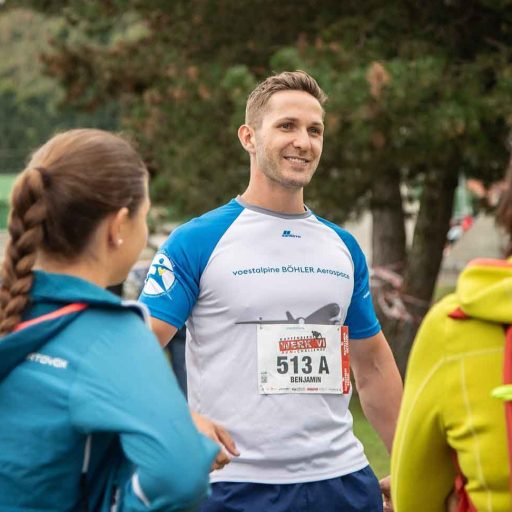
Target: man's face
x,y
288,142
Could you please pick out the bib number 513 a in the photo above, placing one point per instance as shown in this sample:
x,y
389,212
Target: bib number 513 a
x,y
296,365
303,358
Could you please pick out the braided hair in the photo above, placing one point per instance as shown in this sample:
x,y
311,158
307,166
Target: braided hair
x,y
70,185
26,234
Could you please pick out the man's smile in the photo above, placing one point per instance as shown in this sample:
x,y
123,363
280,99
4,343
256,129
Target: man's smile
x,y
297,160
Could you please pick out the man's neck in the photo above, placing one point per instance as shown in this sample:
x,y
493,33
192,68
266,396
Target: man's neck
x,y
275,198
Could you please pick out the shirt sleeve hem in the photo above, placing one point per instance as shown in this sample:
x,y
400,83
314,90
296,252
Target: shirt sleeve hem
x,y
366,333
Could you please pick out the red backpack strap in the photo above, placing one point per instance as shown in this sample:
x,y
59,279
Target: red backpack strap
x,y
66,310
507,381
464,503
505,393
458,314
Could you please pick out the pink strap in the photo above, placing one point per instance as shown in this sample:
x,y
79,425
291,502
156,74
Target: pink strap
x,y
66,310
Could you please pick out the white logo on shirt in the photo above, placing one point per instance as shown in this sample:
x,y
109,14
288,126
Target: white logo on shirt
x,y
160,276
56,362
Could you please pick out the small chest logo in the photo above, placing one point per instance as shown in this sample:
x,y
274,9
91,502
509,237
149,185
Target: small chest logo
x,y
288,234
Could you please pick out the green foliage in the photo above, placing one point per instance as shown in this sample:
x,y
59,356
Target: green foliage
x,y
31,107
23,36
418,88
23,87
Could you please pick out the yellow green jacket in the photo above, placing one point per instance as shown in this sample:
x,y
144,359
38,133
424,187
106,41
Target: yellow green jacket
x,y
447,407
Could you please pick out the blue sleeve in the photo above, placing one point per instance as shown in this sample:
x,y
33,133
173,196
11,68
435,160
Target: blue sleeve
x,y
124,385
172,284
361,319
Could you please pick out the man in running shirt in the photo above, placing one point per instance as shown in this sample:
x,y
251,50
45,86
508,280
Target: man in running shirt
x,y
271,294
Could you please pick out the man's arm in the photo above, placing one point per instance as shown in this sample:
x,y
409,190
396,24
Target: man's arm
x,y
163,331
378,384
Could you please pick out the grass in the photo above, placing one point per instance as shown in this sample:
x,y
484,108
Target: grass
x,y
373,446
6,182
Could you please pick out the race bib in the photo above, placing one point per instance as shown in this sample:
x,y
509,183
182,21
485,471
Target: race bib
x,y
303,358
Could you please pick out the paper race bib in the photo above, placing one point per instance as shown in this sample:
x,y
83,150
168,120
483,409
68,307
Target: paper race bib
x,y
303,358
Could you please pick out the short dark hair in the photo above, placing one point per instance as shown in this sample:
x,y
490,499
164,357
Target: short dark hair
x,y
286,81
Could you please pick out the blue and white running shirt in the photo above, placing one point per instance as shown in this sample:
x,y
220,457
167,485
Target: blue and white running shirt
x,y
239,267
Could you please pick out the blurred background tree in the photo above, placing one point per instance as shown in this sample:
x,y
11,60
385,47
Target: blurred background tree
x,y
31,103
419,94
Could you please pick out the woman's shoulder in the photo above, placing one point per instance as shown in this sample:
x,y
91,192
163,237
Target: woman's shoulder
x,y
126,321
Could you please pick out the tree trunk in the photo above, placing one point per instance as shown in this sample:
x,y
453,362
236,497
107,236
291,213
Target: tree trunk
x,y
424,260
388,233
429,239
388,250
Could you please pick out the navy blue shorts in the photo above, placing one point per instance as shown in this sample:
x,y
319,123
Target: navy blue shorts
x,y
356,492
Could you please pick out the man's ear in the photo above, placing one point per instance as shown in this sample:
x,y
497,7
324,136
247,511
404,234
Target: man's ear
x,y
116,227
246,136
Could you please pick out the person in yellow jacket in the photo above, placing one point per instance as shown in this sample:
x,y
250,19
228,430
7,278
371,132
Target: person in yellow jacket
x,y
451,433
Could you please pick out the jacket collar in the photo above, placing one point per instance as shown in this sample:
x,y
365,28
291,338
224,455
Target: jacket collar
x,y
49,287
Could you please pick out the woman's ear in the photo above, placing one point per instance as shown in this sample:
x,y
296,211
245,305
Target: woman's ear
x,y
246,136
116,227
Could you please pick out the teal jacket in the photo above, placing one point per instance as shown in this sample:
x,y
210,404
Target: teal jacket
x,y
91,414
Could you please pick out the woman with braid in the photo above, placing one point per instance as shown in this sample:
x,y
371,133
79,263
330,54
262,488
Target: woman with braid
x,y
91,416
